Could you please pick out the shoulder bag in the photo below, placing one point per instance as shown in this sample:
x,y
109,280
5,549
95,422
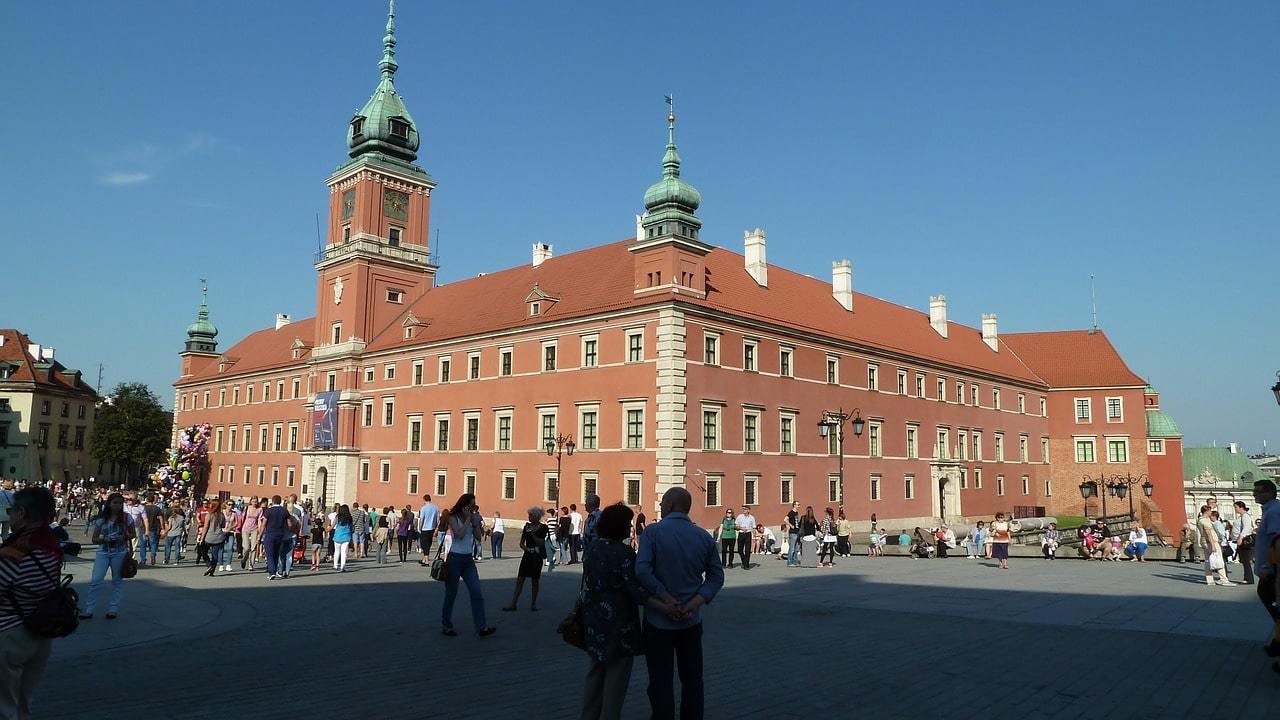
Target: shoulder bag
x,y
440,565
573,629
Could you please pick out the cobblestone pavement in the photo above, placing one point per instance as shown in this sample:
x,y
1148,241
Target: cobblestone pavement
x,y
871,638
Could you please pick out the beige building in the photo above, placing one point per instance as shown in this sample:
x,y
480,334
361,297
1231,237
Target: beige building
x,y
46,413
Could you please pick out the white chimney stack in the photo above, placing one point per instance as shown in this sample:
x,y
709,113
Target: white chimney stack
x,y
1235,448
34,351
639,228
938,313
281,320
842,283
757,268
541,253
48,354
989,335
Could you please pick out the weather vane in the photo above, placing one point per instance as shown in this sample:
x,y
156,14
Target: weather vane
x,y
671,108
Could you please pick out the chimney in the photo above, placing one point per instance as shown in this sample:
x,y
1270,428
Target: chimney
x,y
639,228
281,320
2,339
938,313
1235,448
842,283
757,268
34,351
541,253
48,353
989,335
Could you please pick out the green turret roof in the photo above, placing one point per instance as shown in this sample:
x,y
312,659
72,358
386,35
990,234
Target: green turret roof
x,y
671,192
1160,425
384,124
201,334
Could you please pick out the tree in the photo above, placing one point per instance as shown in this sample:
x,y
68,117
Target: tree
x,y
131,429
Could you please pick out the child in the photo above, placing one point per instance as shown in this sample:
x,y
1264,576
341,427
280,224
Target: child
x,y
873,546
1116,552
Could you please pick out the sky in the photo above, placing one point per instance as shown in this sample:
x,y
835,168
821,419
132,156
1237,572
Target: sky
x,y
997,153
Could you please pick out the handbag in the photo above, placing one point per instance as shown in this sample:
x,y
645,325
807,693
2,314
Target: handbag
x,y
128,567
440,566
828,538
573,629
1215,561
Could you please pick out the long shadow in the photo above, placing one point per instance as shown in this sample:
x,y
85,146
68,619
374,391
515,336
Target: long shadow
x,y
777,644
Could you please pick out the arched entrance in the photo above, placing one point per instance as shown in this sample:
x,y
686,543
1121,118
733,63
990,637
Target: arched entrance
x,y
321,489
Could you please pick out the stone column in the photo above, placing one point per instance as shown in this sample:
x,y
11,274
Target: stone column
x,y
671,400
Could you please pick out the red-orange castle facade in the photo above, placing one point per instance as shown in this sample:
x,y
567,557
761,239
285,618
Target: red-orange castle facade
x,y
668,360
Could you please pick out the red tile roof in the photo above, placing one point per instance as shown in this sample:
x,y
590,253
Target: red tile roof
x,y
600,279
14,351
1073,358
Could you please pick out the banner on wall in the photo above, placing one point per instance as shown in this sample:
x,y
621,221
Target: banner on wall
x,y
324,418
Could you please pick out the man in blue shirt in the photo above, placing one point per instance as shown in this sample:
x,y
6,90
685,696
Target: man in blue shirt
x,y
677,563
428,516
280,524
1266,542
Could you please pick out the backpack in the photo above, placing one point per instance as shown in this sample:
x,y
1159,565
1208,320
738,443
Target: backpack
x,y
56,614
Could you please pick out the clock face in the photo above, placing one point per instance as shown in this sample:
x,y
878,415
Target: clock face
x,y
348,204
395,204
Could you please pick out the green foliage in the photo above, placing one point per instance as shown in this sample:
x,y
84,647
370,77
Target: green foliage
x,y
131,430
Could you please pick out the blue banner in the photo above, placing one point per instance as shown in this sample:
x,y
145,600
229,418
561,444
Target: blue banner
x,y
324,419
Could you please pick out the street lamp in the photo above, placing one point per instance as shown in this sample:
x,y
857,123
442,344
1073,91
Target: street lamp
x,y
557,448
1095,487
1120,486
834,420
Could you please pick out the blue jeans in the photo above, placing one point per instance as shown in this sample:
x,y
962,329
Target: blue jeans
x,y
172,546
229,548
271,547
215,555
495,546
286,552
148,541
551,554
463,567
564,550
793,548
667,650
973,548
113,559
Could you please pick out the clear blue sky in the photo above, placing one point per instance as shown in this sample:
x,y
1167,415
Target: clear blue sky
x,y
995,152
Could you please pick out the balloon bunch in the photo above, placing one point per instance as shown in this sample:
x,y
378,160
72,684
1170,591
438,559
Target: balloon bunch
x,y
185,463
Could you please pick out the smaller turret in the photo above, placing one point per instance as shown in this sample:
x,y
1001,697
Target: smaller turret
x,y
201,334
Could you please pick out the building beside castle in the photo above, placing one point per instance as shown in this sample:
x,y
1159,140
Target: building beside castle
x,y
668,359
46,413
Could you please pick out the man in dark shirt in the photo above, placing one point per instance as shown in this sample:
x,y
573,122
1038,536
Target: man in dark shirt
x,y
151,538
793,535
280,524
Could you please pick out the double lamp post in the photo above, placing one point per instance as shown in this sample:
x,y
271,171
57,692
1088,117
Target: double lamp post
x,y
558,448
833,421
1118,486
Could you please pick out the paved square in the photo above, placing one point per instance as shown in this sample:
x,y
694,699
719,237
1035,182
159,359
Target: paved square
x,y
876,638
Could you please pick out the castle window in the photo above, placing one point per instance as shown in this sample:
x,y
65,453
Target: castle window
x,y
535,309
393,237
399,128
357,127
346,233
395,296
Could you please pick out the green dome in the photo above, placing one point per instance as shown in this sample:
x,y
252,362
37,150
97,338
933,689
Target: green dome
x,y
384,124
202,327
671,190
1160,425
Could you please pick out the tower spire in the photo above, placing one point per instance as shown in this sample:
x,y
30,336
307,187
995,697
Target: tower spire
x,y
388,65
671,159
201,334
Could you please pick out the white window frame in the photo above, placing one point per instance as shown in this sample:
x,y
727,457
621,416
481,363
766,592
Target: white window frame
x,y
418,375
787,368
1124,441
592,362
467,418
509,485
875,439
876,481
1091,443
588,442
873,377
555,356
755,414
440,481
902,382
714,496
909,487
913,441
1155,446
999,447
1024,448
1000,487
1044,406
919,384
1120,405
437,420
388,412
498,416
412,478
711,339
1022,403
629,479
389,371
444,369
632,337
833,370
1088,408
786,488
977,478
1044,450
750,355
975,436
718,411
473,366
751,489
962,445
506,361
543,437
384,471
785,417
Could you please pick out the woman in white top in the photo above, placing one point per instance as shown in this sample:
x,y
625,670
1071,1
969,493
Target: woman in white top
x,y
1137,544
463,526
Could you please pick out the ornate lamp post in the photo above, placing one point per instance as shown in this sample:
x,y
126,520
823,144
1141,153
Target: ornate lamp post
x,y
833,421
1094,487
563,444
1121,486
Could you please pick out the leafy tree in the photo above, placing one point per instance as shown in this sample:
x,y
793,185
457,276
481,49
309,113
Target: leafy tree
x,y
131,430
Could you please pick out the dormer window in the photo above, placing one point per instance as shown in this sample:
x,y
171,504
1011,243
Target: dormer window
x,y
535,309
395,296
357,127
399,128
393,237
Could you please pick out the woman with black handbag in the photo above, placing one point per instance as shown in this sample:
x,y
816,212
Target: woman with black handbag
x,y
112,531
533,541
462,527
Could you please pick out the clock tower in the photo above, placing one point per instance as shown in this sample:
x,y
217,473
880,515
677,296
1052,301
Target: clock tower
x,y
376,258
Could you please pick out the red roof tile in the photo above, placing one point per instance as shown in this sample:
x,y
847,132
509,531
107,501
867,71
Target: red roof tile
x,y
1073,358
265,349
15,351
